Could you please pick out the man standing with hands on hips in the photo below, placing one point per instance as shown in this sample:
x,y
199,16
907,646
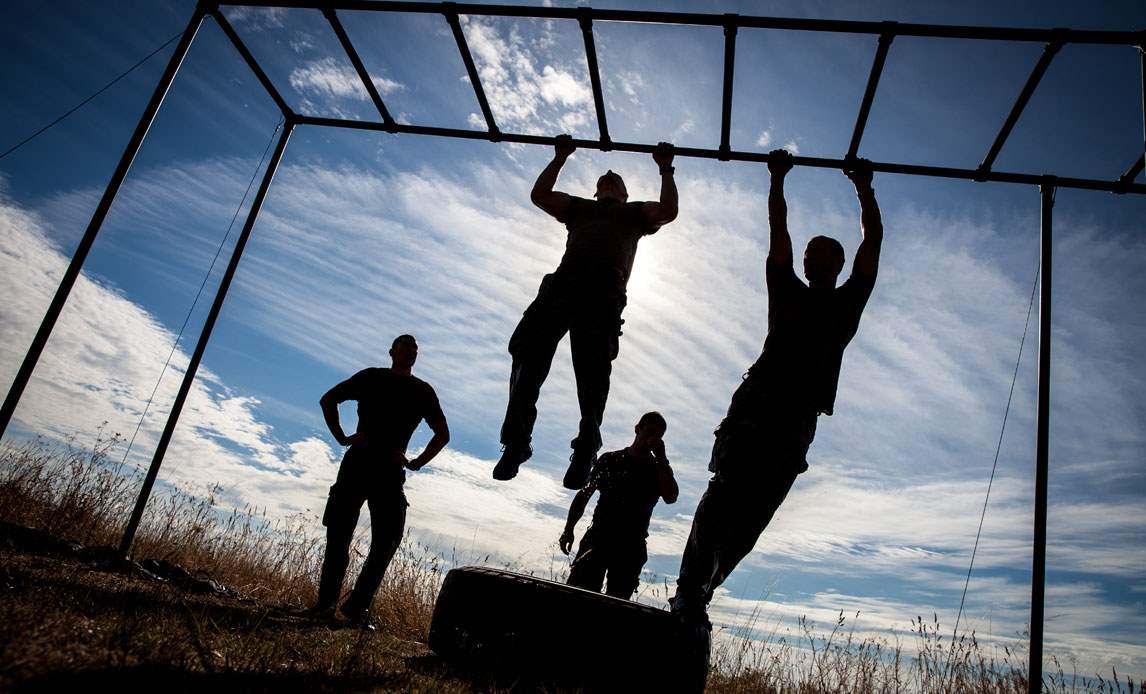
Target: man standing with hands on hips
x,y
391,404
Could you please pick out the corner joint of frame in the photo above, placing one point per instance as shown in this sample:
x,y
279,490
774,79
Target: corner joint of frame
x,y
731,23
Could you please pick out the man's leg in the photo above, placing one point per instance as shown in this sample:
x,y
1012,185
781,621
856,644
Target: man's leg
x,y
738,504
625,569
532,346
588,570
340,517
710,528
752,506
387,522
593,341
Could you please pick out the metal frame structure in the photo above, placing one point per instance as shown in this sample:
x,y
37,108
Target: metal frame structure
x,y
1052,39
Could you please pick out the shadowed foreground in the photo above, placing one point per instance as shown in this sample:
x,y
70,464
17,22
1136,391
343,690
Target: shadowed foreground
x,y
71,614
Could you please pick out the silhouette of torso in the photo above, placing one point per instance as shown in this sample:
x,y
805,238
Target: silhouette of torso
x,y
630,488
390,407
808,330
602,240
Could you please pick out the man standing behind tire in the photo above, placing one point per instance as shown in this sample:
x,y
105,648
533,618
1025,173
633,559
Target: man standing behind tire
x,y
631,481
391,404
762,442
584,297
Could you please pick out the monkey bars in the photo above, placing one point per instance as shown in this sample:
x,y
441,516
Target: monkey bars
x,y
1052,39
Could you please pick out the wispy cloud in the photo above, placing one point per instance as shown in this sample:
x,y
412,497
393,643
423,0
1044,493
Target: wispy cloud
x,y
256,18
526,90
328,78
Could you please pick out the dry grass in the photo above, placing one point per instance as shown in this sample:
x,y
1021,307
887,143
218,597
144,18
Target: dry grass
x,y
62,619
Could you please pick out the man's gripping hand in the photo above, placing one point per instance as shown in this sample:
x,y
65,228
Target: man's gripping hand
x,y
860,173
563,147
779,163
416,464
663,154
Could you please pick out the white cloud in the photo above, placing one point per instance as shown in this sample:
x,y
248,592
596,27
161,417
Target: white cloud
x,y
256,18
525,91
764,139
328,78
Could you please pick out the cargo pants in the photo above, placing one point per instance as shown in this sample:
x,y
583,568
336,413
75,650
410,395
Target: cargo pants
x,y
592,317
362,478
755,460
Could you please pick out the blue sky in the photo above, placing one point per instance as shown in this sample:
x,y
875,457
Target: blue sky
x,y
365,236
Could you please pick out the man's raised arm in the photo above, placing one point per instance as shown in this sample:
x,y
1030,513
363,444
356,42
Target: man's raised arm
x,y
871,222
779,242
664,210
553,202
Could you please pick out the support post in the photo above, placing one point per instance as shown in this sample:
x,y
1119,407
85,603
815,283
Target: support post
x,y
73,271
201,346
1142,56
726,100
1042,444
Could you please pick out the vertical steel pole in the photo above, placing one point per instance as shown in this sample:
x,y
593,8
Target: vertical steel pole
x,y
1042,445
1142,54
109,193
201,346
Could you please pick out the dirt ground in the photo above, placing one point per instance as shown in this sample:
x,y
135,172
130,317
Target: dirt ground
x,y
68,620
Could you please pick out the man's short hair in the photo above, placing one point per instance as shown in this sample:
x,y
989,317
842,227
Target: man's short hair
x,y
402,338
653,418
836,246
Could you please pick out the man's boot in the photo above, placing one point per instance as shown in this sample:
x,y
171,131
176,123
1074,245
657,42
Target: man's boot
x,y
512,456
580,465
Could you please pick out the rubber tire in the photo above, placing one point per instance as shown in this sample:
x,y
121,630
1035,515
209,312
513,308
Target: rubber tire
x,y
527,628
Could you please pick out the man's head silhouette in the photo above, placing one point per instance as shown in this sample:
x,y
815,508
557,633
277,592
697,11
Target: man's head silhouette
x,y
404,351
823,261
611,187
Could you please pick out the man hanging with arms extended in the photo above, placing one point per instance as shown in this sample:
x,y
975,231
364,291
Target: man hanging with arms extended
x,y
762,443
584,297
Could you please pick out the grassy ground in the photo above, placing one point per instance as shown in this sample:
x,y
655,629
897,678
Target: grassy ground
x,y
71,617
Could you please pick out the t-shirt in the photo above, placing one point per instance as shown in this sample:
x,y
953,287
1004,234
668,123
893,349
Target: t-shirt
x,y
602,239
630,488
390,406
808,330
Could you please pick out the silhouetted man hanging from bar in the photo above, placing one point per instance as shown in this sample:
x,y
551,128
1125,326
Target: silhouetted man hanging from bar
x,y
584,297
631,481
391,404
762,443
